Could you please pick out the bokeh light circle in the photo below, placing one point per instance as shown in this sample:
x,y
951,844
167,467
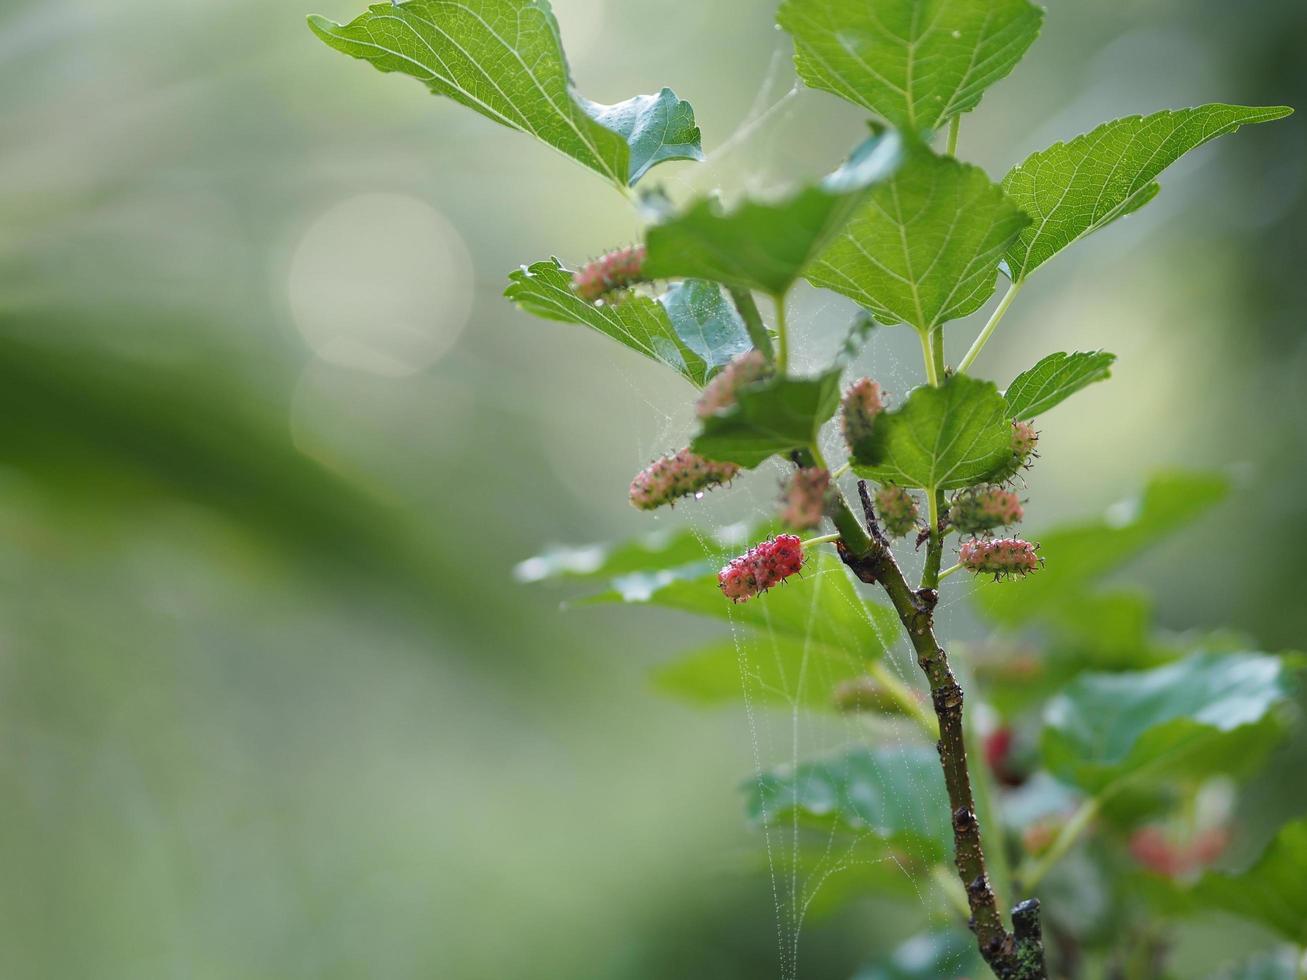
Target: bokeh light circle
x,y
381,283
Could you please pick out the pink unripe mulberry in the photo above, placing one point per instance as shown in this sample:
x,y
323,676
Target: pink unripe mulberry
x,y
615,270
719,393
999,557
804,503
1024,441
896,509
862,403
761,567
680,475
979,510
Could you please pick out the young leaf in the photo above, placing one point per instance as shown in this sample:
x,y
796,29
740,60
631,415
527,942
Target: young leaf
x,y
1054,379
770,669
1077,555
941,438
656,128
504,58
894,794
925,247
767,246
773,416
1073,189
1273,891
915,63
822,606
692,329
706,322
1207,713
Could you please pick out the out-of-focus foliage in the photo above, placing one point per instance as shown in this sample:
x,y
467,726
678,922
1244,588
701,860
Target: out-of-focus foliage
x,y
270,704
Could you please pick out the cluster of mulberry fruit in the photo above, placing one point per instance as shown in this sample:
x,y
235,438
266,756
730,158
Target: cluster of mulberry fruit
x,y
720,392
804,501
897,510
979,510
1000,557
682,474
863,401
762,566
620,269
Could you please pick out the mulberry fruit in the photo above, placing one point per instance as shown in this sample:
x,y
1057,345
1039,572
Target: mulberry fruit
x,y
897,510
804,503
719,393
1000,557
615,270
761,567
680,475
862,403
980,510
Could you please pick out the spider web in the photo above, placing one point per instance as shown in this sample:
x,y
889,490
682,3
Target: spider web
x,y
785,728
802,863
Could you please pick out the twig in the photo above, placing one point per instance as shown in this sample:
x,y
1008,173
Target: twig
x,y
1012,956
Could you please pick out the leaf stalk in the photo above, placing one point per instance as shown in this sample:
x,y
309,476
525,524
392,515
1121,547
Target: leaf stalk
x,y
991,326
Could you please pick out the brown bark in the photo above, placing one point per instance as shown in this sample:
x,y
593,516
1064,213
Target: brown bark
x,y
1015,955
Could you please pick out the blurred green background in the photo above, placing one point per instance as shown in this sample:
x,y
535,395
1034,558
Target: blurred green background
x,y
271,704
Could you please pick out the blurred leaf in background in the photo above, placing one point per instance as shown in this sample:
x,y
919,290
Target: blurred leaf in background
x,y
270,701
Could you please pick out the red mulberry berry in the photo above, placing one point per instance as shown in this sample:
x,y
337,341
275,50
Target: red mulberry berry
x,y
616,270
679,475
761,567
805,498
862,403
999,556
897,510
719,393
979,510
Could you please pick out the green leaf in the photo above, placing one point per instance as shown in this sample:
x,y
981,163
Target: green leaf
x,y
772,416
653,552
895,794
941,438
929,956
1206,713
915,63
656,127
693,329
1273,891
1076,555
706,322
774,670
767,246
925,247
821,606
1073,189
504,58
1055,379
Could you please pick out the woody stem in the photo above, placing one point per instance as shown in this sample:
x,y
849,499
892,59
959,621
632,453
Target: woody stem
x,y
1014,955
